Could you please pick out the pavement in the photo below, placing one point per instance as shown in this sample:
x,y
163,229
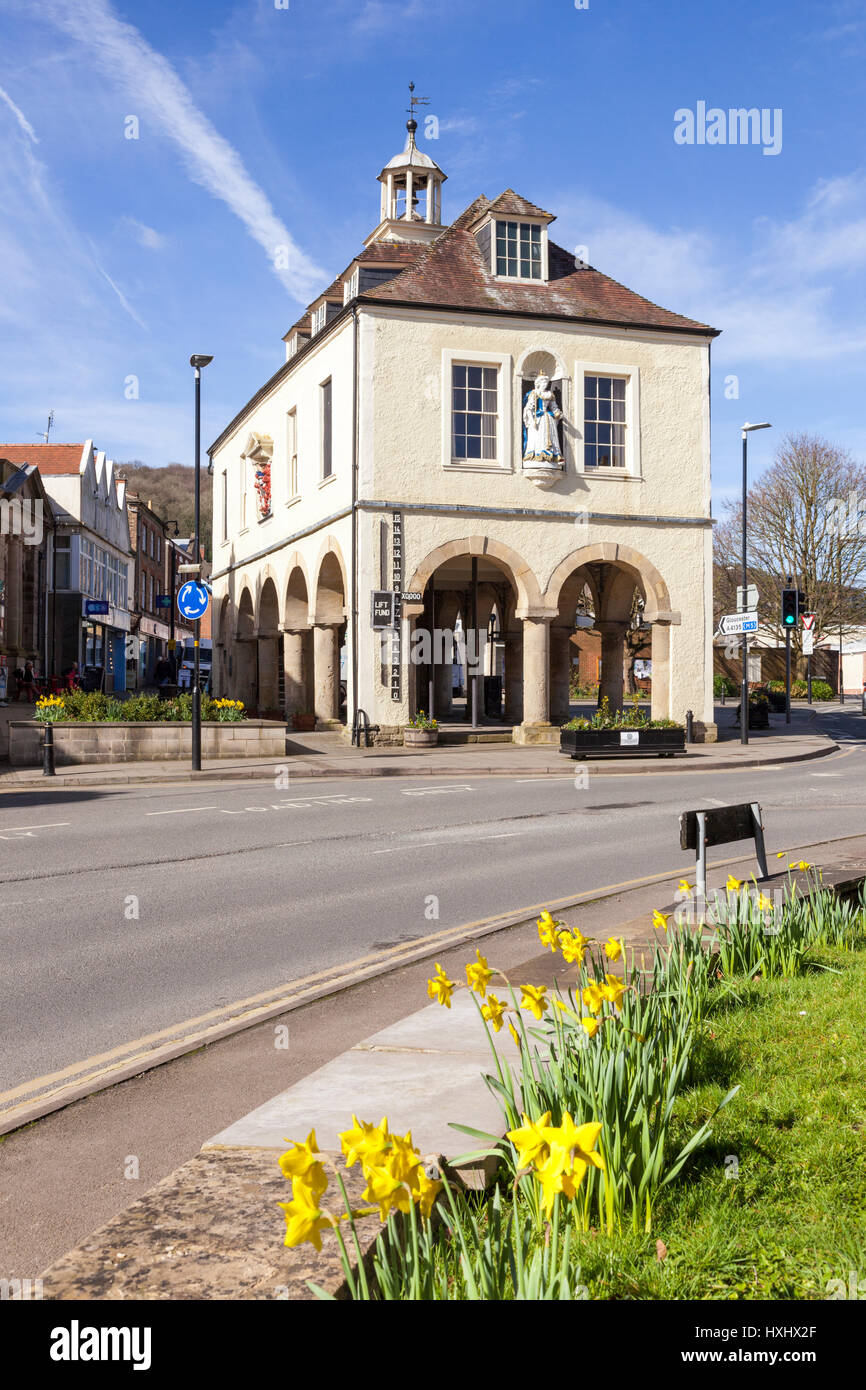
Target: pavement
x,y
211,1229
327,755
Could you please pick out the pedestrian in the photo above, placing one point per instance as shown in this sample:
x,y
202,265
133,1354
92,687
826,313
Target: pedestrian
x,y
162,673
27,684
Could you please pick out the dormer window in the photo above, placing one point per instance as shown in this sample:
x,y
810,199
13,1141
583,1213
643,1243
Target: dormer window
x,y
319,317
519,250
291,346
350,286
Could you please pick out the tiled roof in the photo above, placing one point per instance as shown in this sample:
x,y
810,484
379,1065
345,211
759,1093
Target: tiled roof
x,y
453,273
48,458
512,205
391,253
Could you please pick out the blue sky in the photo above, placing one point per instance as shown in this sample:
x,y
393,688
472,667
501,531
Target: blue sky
x,y
261,127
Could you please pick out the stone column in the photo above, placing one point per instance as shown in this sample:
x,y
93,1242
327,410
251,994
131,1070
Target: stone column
x,y
560,672
513,677
326,669
536,680
293,667
612,653
268,673
661,671
443,683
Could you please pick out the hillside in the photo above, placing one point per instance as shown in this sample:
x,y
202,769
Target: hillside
x,y
171,492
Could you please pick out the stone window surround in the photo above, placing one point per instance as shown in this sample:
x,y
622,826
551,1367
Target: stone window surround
x,y
503,463
632,418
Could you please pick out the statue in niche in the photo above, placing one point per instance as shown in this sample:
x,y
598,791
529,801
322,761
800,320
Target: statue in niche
x,y
541,416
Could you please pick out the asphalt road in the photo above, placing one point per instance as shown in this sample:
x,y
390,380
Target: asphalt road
x,y
129,910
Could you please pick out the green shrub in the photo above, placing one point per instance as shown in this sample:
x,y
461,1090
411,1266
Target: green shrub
x,y
143,708
723,685
799,690
821,691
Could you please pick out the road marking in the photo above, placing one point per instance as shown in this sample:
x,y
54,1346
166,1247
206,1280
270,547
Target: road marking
x,y
434,791
50,825
181,811
714,801
826,774
403,849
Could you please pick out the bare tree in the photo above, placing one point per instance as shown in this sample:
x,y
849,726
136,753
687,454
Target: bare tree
x,y
806,518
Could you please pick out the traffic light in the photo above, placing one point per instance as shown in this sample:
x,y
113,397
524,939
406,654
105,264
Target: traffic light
x,y
790,607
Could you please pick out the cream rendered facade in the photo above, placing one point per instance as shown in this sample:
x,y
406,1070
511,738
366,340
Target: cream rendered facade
x,y
292,589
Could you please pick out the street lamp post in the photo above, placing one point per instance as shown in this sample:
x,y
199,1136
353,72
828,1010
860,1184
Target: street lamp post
x,y
197,361
744,678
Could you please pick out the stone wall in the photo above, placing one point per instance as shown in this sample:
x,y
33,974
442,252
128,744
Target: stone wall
x,y
144,742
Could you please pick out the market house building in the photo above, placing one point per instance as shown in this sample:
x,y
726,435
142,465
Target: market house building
x,y
501,434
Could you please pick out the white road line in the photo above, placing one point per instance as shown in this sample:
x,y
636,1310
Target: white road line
x,y
826,774
401,849
433,791
181,811
50,825
552,777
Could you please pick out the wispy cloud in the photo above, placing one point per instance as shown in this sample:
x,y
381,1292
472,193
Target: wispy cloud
x,y
19,116
155,90
775,294
148,237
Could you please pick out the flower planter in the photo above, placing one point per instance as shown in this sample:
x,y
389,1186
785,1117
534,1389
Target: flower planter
x,y
420,738
587,743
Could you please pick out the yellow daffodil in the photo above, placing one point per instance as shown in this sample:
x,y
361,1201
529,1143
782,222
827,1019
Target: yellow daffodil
x,y
532,998
403,1159
591,1025
529,1141
302,1159
803,865
478,974
492,1012
781,854
733,885
660,919
385,1190
426,1190
572,945
304,1220
570,1152
514,1033
613,948
765,904
364,1141
684,886
592,998
613,990
440,987
547,930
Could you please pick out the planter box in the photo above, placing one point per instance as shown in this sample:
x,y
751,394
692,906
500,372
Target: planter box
x,y
137,742
588,743
420,738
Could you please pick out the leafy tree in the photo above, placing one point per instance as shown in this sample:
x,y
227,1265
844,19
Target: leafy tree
x,y
171,492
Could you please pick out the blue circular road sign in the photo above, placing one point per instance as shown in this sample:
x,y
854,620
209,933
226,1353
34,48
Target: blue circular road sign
x,y
192,600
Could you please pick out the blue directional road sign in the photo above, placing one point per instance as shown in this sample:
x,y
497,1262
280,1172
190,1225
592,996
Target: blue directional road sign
x,y
192,600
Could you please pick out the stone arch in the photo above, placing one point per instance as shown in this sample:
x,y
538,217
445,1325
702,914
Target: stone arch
x,y
536,361
296,603
520,574
331,587
268,605
245,621
632,564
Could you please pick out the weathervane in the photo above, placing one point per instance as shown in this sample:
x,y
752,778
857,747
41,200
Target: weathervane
x,y
415,102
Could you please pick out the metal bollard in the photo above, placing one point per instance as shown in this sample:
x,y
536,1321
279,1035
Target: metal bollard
x,y
689,722
48,751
